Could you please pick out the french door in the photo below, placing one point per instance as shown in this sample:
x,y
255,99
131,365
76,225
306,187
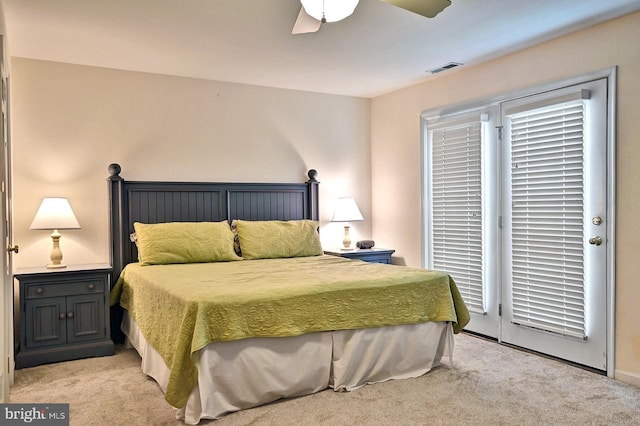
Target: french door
x,y
516,196
555,223
462,215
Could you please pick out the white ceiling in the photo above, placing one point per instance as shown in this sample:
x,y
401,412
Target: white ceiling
x,y
378,49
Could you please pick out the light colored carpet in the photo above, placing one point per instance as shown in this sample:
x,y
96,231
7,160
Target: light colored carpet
x,y
487,384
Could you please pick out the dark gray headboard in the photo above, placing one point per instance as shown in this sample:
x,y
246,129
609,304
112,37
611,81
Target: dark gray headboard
x,y
158,202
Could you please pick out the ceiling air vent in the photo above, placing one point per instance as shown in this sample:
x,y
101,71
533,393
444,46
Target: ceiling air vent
x,y
445,67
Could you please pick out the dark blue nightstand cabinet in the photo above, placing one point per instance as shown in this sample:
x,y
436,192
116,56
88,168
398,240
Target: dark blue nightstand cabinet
x,y
372,255
64,314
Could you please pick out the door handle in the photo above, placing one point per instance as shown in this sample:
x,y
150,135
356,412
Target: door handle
x,y
596,241
14,249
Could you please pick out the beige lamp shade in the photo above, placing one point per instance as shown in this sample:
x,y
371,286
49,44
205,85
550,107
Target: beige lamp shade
x,y
55,214
346,211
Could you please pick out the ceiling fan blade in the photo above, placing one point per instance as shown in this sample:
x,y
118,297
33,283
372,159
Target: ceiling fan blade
x,y
305,23
428,8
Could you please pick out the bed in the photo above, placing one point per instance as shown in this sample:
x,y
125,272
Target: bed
x,y
255,312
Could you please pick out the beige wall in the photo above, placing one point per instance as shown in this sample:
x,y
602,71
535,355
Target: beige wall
x,y
69,122
396,149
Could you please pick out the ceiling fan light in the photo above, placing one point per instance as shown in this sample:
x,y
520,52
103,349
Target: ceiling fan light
x,y
331,10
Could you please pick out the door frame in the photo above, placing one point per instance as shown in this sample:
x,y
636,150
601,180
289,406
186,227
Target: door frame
x,y
6,265
610,74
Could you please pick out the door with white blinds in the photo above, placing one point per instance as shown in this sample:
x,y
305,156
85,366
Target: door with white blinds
x,y
554,235
516,212
462,215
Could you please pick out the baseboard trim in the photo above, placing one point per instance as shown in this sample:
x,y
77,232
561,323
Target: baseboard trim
x,y
628,377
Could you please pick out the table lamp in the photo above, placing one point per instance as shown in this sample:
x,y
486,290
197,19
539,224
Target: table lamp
x,y
55,214
346,211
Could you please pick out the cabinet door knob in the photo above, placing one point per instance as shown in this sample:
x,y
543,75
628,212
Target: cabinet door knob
x,y
14,249
39,290
91,286
69,314
62,316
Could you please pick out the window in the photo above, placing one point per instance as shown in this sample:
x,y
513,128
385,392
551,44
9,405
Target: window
x,y
456,205
547,209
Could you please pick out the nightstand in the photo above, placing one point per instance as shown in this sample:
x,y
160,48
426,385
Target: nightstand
x,y
372,255
64,314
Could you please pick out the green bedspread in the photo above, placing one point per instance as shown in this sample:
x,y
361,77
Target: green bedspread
x,y
182,308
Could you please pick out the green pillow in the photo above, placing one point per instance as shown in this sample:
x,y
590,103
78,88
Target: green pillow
x,y
184,242
271,239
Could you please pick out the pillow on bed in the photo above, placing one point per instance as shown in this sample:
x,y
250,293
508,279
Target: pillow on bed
x,y
184,242
271,239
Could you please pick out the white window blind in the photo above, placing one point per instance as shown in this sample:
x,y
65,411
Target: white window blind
x,y
456,182
547,191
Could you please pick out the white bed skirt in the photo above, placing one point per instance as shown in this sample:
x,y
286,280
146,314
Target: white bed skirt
x,y
241,374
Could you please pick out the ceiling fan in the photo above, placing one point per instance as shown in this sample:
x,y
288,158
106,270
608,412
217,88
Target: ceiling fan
x,y
314,13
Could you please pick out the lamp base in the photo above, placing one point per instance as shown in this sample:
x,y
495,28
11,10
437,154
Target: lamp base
x,y
56,253
58,266
346,240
